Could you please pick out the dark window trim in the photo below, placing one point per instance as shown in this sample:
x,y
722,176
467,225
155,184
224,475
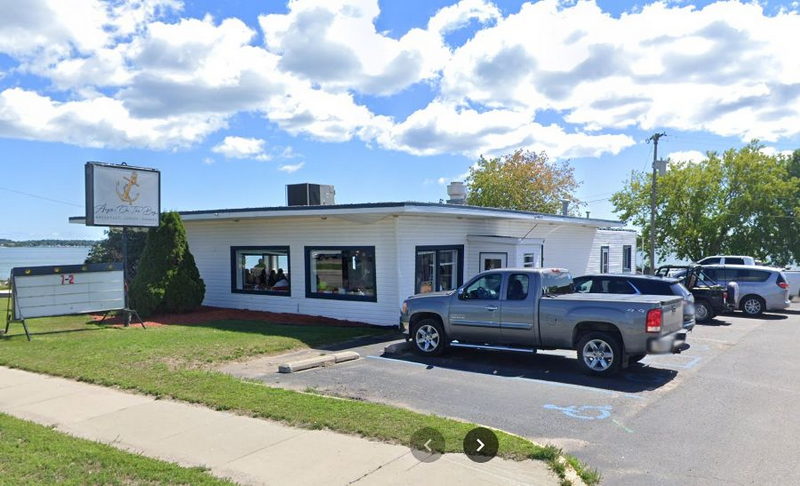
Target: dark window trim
x,y
480,259
235,268
608,260
627,250
360,298
459,273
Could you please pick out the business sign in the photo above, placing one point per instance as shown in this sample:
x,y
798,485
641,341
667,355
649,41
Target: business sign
x,y
122,195
68,289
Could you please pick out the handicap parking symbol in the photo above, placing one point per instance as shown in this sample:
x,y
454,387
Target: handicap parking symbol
x,y
584,412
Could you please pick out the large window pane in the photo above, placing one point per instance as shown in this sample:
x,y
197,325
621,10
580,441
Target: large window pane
x,y
260,270
438,268
341,273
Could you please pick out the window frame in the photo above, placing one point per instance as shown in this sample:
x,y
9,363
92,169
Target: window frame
x,y
234,267
627,254
607,250
437,248
359,298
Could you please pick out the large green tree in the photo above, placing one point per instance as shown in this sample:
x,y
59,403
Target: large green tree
x,y
522,180
167,279
742,202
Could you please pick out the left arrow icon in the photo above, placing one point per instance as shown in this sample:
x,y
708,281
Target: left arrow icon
x,y
427,445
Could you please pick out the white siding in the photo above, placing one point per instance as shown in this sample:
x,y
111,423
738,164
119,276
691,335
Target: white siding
x,y
569,245
210,243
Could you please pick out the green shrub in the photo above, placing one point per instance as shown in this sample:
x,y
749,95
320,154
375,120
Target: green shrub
x,y
167,279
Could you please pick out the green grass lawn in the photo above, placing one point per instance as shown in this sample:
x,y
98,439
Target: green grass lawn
x,y
33,454
177,362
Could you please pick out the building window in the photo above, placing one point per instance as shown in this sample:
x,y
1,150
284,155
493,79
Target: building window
x,y
345,273
603,259
260,270
529,260
438,268
626,258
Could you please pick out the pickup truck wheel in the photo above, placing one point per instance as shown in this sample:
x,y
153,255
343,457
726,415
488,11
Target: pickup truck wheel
x,y
752,305
599,353
702,311
428,337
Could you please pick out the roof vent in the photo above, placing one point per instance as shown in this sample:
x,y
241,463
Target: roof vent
x,y
457,193
310,195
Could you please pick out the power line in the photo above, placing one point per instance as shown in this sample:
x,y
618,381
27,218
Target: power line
x,y
44,198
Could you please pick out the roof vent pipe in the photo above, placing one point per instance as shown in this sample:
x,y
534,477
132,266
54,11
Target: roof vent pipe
x,y
457,193
587,214
564,207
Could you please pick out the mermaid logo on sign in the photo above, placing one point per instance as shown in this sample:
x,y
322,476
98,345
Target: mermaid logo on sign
x,y
130,182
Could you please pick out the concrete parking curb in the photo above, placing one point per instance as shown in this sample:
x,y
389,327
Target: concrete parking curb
x,y
317,361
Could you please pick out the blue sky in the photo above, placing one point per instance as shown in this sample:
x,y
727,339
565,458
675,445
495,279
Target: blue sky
x,y
386,100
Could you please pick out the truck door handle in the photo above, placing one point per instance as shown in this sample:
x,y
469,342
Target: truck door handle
x,y
491,307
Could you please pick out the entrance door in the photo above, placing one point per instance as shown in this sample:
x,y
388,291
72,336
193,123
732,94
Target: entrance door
x,y
491,261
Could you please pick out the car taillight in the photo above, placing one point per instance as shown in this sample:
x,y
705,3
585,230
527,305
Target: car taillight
x,y
653,323
783,285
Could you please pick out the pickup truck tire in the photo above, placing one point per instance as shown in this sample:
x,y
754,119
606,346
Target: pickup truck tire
x,y
752,305
703,311
427,337
599,353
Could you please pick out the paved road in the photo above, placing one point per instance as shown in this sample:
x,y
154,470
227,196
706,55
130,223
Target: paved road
x,y
724,412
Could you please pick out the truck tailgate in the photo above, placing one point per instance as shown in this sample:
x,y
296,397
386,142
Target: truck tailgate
x,y
672,317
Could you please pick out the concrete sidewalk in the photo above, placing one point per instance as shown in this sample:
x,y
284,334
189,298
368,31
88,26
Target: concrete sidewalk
x,y
246,450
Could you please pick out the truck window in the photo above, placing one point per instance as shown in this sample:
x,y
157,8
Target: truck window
x,y
710,261
554,283
583,285
517,287
734,261
485,288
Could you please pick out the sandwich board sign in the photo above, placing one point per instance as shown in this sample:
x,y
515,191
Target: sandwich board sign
x,y
45,291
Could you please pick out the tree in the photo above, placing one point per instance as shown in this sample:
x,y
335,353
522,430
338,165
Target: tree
x,y
743,202
109,250
523,180
167,279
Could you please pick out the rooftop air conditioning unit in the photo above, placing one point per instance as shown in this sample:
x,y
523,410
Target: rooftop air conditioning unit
x,y
309,195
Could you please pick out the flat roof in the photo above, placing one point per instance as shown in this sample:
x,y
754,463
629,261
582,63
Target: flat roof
x,y
382,208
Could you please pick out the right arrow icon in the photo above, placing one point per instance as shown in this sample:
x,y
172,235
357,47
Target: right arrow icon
x,y
481,445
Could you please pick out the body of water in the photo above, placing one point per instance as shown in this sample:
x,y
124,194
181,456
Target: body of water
x,y
36,256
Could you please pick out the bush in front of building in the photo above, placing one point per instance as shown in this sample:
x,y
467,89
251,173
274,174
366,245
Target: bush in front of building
x,y
167,279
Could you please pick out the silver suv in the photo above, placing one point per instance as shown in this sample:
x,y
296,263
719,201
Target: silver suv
x,y
760,288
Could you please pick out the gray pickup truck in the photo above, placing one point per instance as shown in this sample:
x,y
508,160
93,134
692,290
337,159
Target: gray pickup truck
x,y
529,309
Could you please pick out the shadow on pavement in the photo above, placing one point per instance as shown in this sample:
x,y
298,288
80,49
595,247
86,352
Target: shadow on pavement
x,y
764,317
543,366
714,323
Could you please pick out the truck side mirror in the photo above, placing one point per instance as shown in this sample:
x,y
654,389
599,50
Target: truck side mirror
x,y
461,294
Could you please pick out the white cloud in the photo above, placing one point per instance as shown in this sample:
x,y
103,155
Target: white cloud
x,y
122,74
692,156
241,148
772,151
208,161
291,168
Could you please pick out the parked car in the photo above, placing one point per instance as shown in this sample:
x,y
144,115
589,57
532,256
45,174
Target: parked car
x,y
529,309
760,288
728,260
639,285
793,279
710,298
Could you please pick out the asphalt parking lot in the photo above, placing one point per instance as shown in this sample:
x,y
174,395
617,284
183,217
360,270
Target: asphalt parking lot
x,y
723,412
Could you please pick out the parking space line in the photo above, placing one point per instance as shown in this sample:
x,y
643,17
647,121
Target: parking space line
x,y
532,380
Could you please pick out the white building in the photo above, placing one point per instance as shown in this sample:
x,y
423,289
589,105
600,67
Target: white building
x,y
360,261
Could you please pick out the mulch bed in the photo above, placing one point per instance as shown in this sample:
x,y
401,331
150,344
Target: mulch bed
x,y
209,314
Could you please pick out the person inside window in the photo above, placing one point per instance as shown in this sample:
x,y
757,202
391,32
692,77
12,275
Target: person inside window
x,y
272,279
281,281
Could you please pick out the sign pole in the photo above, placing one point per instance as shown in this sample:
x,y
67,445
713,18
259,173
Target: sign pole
x,y
127,314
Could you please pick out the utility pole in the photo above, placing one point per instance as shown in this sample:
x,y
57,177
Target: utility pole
x,y
654,138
